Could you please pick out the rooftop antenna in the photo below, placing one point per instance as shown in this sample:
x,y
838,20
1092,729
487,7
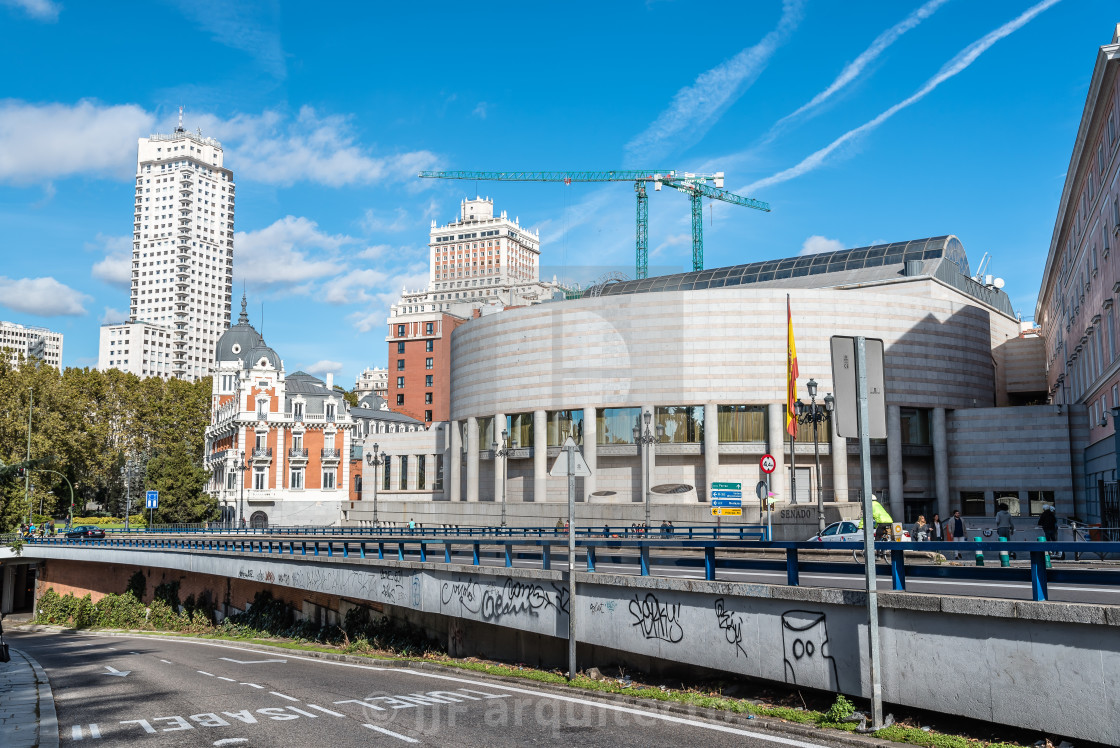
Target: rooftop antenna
x,y
180,127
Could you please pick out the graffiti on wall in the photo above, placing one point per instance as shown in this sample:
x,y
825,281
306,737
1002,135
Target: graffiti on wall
x,y
655,619
731,624
804,639
514,597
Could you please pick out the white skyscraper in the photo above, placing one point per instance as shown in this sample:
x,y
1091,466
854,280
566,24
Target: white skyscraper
x,y
182,260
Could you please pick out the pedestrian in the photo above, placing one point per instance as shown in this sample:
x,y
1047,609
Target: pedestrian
x,y
670,523
934,530
956,529
921,529
559,525
606,531
1049,523
411,523
1004,526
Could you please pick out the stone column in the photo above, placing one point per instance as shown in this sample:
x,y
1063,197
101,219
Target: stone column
x,y
776,430
540,456
501,464
453,459
711,452
589,455
838,449
472,459
894,463
941,462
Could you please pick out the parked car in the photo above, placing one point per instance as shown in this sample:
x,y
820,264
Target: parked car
x,y
847,532
82,532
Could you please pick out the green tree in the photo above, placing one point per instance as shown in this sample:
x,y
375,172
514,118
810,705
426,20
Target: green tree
x,y
181,481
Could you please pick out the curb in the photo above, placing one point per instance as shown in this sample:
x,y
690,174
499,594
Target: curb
x,y
758,723
46,727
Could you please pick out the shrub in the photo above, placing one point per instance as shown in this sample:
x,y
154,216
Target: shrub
x,y
137,585
840,710
120,612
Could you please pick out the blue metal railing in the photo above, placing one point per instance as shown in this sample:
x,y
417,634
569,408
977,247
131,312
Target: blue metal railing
x,y
1039,575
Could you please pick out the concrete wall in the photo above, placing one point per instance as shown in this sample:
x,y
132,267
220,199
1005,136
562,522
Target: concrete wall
x,y
995,659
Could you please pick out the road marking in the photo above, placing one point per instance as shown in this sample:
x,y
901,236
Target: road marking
x,y
324,711
248,662
134,653
206,673
167,661
231,741
231,680
94,731
306,714
397,735
114,671
283,696
254,685
76,733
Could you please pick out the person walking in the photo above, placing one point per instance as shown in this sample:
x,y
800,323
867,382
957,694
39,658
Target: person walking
x,y
1004,526
956,529
921,529
935,531
1049,524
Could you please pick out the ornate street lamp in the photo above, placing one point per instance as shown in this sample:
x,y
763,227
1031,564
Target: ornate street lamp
x,y
502,453
242,466
645,441
375,460
816,414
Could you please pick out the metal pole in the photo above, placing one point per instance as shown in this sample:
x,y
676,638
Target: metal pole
x,y
817,454
793,468
27,471
376,462
127,493
241,511
868,535
571,561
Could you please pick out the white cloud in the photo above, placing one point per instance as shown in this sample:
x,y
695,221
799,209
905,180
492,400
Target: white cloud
x,y
374,316
375,221
240,26
116,267
670,241
45,297
30,135
292,250
480,110
816,244
852,70
697,107
40,10
354,287
113,316
956,65
326,366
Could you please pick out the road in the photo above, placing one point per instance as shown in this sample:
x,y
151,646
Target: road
x,y
145,690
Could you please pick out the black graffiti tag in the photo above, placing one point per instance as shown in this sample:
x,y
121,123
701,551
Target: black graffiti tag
x,y
516,598
465,590
732,626
657,620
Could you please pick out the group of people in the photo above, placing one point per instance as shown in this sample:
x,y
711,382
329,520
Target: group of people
x,y
954,527
42,529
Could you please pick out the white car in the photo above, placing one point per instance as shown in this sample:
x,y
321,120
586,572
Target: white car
x,y
847,532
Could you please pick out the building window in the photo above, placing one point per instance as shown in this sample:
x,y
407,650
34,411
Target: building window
x,y
428,363
428,380
915,426
330,412
616,425
404,473
400,346
328,479
429,346
421,464
1039,499
741,423
429,328
972,504
683,424
230,480
400,399
400,383
400,364
259,479
297,441
427,398
386,479
297,411
427,415
564,423
1011,498
400,331
296,478
358,485
437,484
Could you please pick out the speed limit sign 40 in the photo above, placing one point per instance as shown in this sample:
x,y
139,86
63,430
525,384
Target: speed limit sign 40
x,y
768,463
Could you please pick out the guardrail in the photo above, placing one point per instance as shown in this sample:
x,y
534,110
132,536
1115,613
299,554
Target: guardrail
x,y
691,532
1038,575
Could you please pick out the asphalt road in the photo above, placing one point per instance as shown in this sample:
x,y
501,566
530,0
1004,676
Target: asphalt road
x,y
144,690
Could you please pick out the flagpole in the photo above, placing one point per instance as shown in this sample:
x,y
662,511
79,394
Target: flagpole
x,y
791,391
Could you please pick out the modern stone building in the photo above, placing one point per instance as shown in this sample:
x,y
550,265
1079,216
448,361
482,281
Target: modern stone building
x,y
31,343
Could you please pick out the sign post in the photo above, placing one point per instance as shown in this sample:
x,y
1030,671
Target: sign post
x,y
151,498
727,501
571,464
768,464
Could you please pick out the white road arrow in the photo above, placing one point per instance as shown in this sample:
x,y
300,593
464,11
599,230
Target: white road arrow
x,y
114,671
248,662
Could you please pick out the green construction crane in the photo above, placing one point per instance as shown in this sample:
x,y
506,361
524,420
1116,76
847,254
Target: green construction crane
x,y
694,185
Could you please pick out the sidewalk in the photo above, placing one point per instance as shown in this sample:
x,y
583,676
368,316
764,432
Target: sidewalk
x,y
27,716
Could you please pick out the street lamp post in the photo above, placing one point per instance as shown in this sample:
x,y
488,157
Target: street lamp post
x,y
645,441
375,459
129,472
816,414
242,466
501,453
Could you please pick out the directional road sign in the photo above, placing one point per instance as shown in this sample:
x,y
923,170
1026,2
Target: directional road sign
x,y
727,494
727,502
152,499
727,511
727,486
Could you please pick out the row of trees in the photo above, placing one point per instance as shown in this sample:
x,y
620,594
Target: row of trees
x,y
86,424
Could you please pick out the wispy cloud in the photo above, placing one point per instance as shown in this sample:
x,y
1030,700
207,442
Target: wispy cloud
x,y
113,316
816,244
697,107
480,110
45,297
115,268
290,251
853,69
252,27
326,366
958,64
40,10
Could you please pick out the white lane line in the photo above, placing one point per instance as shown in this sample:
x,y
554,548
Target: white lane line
x,y
206,673
167,661
297,710
231,680
248,662
76,733
94,731
325,711
231,741
526,691
283,696
397,735
254,685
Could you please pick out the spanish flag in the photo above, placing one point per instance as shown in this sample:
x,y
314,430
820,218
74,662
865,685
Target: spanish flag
x,y
791,374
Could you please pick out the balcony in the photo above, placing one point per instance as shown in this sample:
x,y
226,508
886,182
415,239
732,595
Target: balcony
x,y
329,455
297,453
262,454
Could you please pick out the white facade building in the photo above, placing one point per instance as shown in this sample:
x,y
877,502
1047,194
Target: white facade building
x,y
31,342
375,380
182,254
138,348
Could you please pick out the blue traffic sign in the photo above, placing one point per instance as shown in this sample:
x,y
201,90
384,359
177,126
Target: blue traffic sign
x,y
152,499
727,494
727,502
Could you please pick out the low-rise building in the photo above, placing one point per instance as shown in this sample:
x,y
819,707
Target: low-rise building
x,y
31,343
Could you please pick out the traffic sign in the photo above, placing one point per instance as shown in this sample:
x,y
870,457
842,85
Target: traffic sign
x,y
727,494
560,467
727,511
152,499
727,502
768,463
727,486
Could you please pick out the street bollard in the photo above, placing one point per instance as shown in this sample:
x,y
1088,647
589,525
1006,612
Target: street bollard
x,y
1004,559
1047,555
979,553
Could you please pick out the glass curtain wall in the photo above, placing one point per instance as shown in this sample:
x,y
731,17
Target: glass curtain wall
x,y
742,423
421,464
683,424
404,472
564,423
520,428
485,433
616,425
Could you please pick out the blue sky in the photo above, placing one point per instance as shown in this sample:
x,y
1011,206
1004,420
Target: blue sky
x,y
857,122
